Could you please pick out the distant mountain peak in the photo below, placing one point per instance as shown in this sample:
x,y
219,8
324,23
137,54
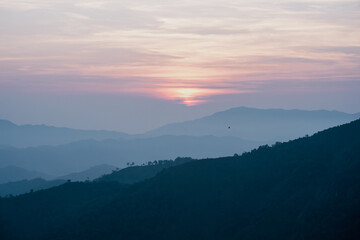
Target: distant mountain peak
x,y
257,124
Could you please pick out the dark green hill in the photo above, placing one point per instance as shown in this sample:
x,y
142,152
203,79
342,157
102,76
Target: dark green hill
x,y
135,174
308,188
35,215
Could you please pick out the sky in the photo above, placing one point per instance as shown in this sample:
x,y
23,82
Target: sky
x,y
136,65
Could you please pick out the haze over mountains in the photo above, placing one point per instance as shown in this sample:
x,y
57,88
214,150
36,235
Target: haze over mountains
x,y
258,124
142,120
308,188
21,184
246,123
89,174
64,159
11,173
38,135
221,134
14,181
26,186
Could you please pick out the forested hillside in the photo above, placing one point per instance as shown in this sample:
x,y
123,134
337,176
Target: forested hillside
x,y
308,188
135,174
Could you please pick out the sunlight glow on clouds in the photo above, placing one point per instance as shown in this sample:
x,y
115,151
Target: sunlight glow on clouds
x,y
205,47
192,96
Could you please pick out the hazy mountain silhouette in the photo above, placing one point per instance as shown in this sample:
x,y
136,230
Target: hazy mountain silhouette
x,y
258,124
38,135
263,126
11,173
27,181
89,174
308,188
246,123
25,186
77,156
104,172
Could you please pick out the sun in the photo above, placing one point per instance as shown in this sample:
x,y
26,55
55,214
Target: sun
x,y
190,96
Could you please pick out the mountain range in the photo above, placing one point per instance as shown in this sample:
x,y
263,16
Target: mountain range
x,y
15,181
89,174
308,188
25,186
253,124
11,174
245,123
60,151
77,156
38,135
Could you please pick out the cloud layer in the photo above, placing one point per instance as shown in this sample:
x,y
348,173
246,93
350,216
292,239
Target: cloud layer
x,y
185,50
